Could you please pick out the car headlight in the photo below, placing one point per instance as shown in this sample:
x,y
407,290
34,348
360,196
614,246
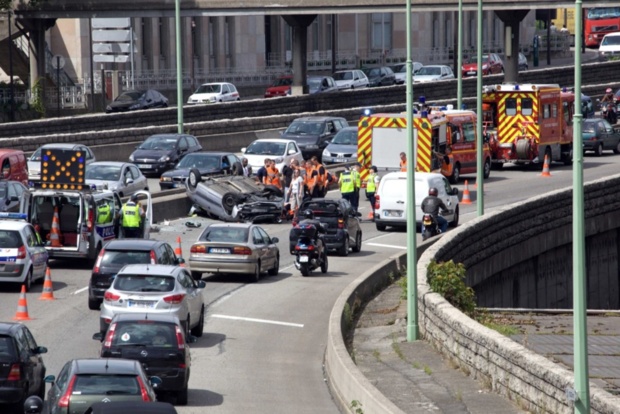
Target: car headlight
x,y
326,153
278,160
131,158
165,179
108,108
212,99
165,158
312,146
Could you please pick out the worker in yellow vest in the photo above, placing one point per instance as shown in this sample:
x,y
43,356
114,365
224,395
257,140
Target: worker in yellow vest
x,y
132,216
347,185
357,180
372,183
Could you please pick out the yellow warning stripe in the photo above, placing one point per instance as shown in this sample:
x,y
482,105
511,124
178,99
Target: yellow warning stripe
x,y
424,155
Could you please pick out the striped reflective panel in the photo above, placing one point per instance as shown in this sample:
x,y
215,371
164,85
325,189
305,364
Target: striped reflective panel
x,y
364,138
511,127
424,130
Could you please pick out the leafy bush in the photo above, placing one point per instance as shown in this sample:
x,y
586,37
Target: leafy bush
x,y
448,279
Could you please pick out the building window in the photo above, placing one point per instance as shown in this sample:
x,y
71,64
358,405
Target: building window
x,y
381,31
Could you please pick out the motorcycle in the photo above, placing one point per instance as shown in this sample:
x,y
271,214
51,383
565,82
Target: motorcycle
x,y
430,226
608,112
309,251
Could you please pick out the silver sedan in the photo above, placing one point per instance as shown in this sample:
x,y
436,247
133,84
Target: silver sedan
x,y
240,248
148,288
123,177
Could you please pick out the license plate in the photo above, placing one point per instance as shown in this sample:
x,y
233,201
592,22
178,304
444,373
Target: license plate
x,y
219,250
137,304
148,166
303,259
471,73
392,213
340,160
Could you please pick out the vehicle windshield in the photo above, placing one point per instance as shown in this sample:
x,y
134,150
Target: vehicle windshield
x,y
322,209
343,76
611,40
200,161
144,283
10,239
282,82
266,148
129,96
346,137
314,83
372,72
589,127
209,88
429,70
159,143
2,192
93,384
36,156
474,58
145,333
103,172
306,128
225,234
598,13
120,258
7,351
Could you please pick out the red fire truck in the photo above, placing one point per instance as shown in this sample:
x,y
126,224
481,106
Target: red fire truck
x,y
525,123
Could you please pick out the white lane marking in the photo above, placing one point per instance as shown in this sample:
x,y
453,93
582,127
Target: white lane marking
x,y
391,246
238,318
80,290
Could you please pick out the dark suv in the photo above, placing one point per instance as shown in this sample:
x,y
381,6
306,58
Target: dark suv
x,y
342,224
162,152
22,371
157,341
120,252
312,133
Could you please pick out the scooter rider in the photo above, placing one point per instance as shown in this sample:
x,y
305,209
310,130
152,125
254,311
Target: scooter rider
x,y
609,96
309,219
431,205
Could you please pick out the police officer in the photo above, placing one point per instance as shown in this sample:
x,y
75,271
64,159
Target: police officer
x,y
357,180
132,216
104,213
431,205
347,185
371,188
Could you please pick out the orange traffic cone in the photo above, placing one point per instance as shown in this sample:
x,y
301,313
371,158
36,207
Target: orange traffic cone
x,y
466,199
55,231
22,307
545,171
371,215
48,290
178,252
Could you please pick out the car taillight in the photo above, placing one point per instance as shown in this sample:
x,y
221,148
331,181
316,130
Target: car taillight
x,y
143,391
63,402
21,252
340,223
109,336
110,297
377,205
308,247
153,257
174,299
15,373
180,340
91,219
198,248
98,262
246,251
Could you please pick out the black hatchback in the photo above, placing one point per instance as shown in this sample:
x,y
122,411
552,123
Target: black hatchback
x,y
22,371
120,252
161,152
158,342
312,133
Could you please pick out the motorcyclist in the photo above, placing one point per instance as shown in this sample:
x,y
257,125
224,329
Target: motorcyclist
x,y
609,96
308,219
431,205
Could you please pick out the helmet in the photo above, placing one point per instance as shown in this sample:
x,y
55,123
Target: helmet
x,y
134,197
373,168
432,191
608,90
308,214
33,404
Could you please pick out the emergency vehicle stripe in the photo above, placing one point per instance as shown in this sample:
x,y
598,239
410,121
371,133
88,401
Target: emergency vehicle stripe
x,y
423,161
364,138
511,127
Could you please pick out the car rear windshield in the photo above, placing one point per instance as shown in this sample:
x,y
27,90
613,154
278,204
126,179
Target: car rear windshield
x,y
145,333
225,234
323,209
125,257
10,239
7,349
93,384
144,283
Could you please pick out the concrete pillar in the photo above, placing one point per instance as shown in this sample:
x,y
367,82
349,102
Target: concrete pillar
x,y
300,51
512,20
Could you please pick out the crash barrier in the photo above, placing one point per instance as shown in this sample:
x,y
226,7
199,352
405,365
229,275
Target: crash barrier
x,y
129,127
482,245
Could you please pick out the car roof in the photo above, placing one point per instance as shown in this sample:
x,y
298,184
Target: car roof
x,y
108,163
132,244
216,83
61,145
169,135
9,327
211,153
9,151
134,407
435,66
151,269
318,118
156,317
419,176
105,366
12,224
282,140
232,225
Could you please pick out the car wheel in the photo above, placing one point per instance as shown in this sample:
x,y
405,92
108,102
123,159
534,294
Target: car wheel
x,y
325,263
193,178
617,149
93,303
255,277
28,280
380,227
487,169
456,174
181,397
455,221
198,329
187,328
196,275
344,250
598,151
358,242
229,201
276,268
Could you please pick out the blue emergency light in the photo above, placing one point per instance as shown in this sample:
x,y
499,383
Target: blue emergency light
x,y
14,216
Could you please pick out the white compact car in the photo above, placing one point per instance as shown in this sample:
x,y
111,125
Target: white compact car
x,y
351,79
432,73
610,46
214,92
282,151
391,196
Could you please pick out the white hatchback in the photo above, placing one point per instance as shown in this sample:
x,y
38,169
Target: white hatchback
x,y
282,151
214,92
351,79
391,206
610,46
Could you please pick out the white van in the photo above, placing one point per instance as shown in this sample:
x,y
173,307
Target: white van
x,y
610,46
390,207
86,219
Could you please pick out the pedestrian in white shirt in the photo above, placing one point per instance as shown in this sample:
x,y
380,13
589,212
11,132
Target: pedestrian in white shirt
x,y
296,191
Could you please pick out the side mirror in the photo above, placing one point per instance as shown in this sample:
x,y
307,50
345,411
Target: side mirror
x,y
243,149
275,240
455,191
201,284
179,260
40,350
98,336
155,381
50,379
129,180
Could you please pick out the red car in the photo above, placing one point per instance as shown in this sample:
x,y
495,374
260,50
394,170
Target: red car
x,y
491,63
280,87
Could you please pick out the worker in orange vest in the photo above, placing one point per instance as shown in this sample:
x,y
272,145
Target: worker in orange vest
x,y
273,175
306,172
317,178
403,162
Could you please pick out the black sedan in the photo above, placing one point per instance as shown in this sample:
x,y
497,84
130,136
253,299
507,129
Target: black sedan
x,y
10,194
599,135
208,163
136,100
162,152
381,76
342,224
